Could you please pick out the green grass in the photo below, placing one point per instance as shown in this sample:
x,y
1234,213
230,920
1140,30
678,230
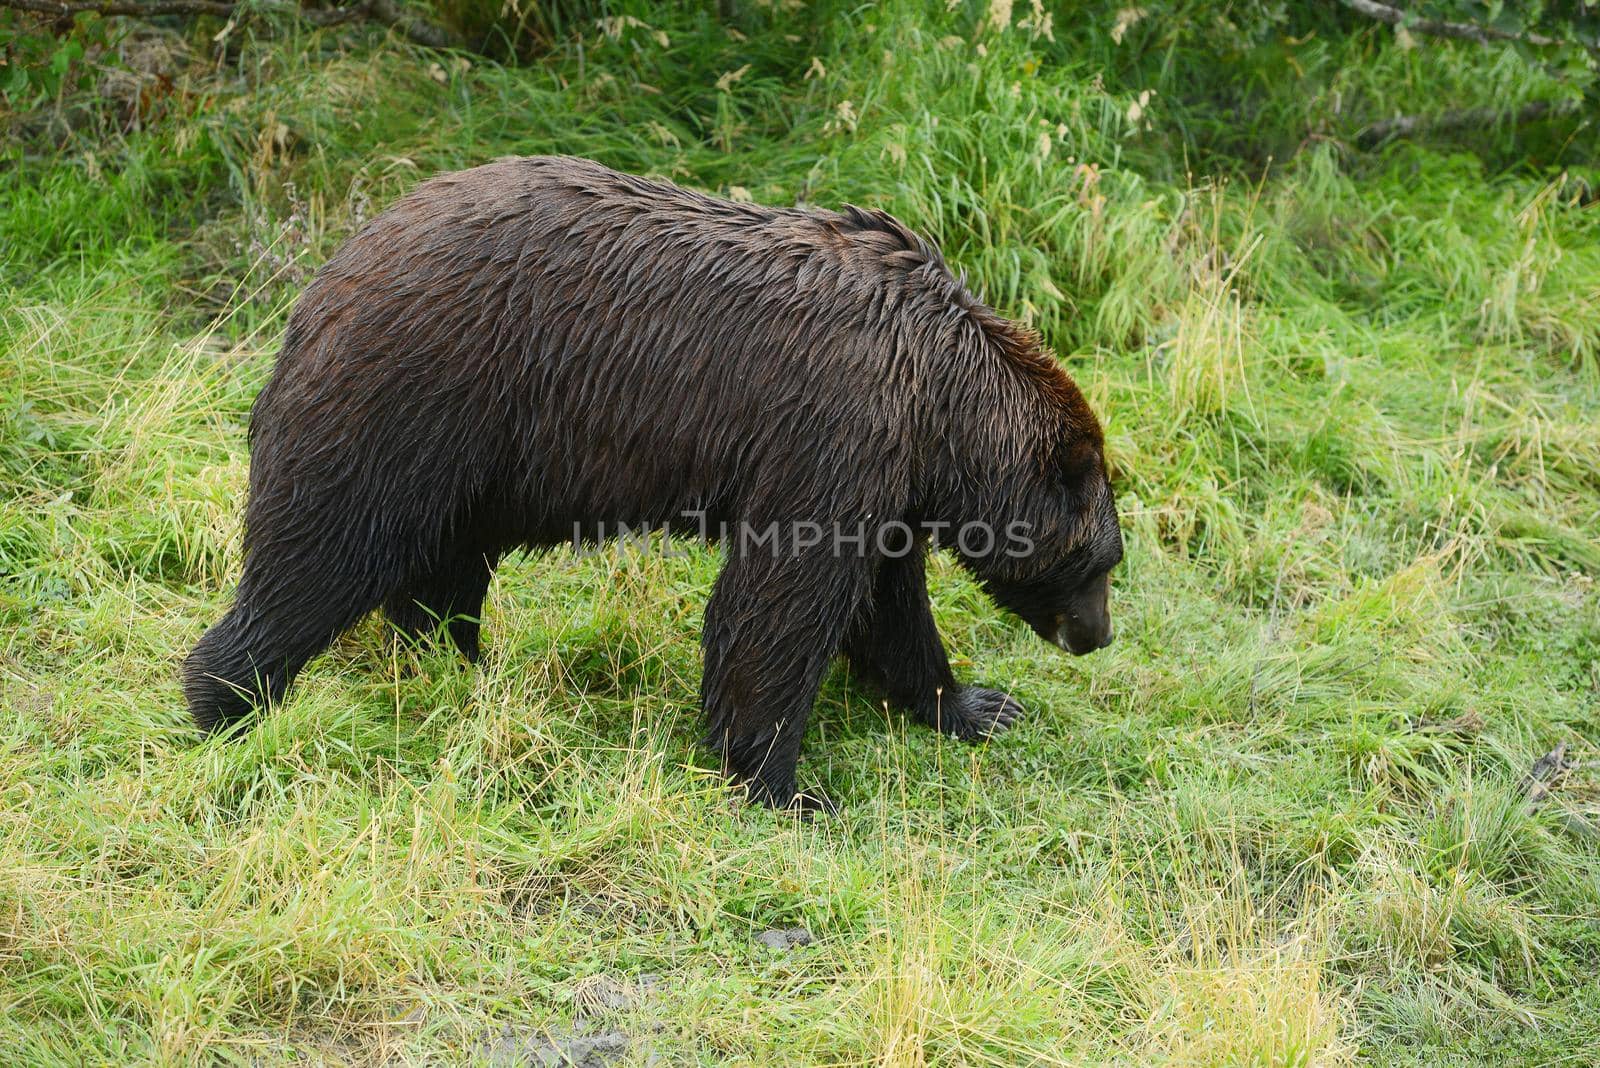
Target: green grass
x,y
1351,401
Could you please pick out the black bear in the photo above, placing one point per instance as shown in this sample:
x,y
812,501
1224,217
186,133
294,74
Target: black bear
x,y
541,350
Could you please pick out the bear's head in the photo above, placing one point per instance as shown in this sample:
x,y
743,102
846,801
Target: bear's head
x,y
1055,572
1031,462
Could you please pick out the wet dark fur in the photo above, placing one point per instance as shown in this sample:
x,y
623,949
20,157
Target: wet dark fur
x,y
541,342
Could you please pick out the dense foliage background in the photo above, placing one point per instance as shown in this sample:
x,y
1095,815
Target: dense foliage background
x,y
1333,283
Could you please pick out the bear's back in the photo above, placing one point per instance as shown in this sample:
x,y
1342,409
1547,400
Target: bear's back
x,y
501,269
573,227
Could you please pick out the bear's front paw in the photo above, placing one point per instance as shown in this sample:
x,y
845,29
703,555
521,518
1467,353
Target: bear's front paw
x,y
973,714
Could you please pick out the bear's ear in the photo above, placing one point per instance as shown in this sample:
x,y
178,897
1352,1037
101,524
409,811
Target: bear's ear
x,y
1081,463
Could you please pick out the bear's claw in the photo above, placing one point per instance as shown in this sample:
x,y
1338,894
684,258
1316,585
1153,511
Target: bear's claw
x,y
974,714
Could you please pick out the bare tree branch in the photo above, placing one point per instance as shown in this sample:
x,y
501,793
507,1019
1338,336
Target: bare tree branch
x,y
387,12
1465,119
68,8
1461,31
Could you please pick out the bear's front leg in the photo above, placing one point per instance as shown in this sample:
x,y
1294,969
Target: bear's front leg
x,y
771,628
894,645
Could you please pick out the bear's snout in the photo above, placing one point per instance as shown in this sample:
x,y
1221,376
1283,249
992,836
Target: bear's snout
x,y
1085,626
1079,640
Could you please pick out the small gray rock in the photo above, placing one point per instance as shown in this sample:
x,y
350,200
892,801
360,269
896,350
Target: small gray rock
x,y
785,938
530,1049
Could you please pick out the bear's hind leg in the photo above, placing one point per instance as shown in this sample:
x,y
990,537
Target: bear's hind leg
x,y
451,594
280,619
221,679
894,645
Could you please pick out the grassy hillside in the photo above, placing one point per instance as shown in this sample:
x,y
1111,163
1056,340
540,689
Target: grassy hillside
x,y
1353,405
